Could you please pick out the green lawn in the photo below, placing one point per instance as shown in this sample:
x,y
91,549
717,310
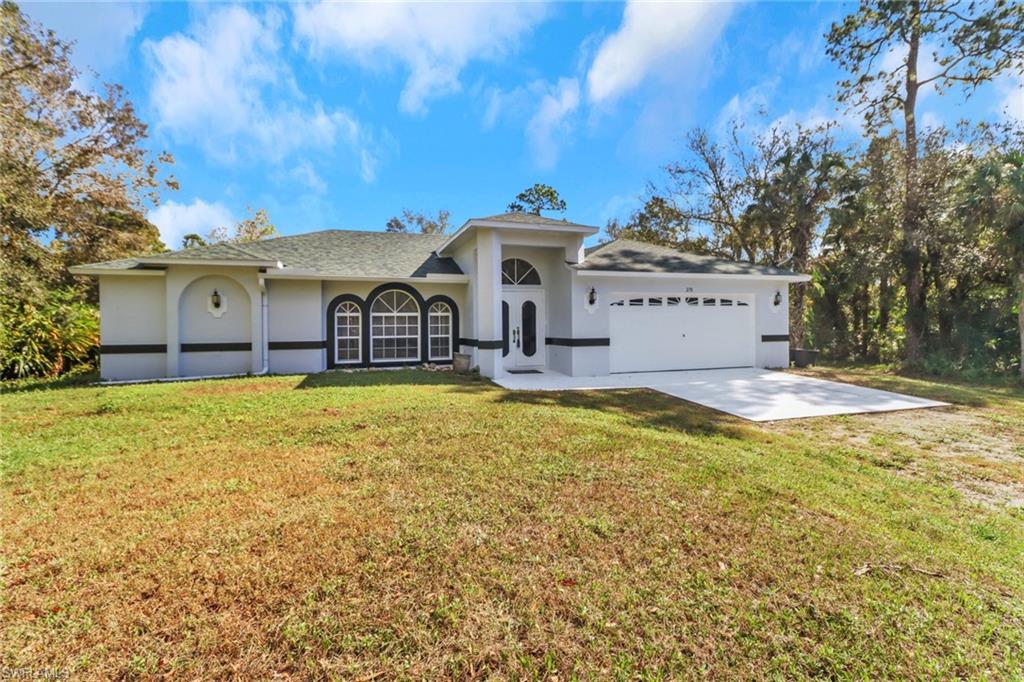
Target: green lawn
x,y
413,524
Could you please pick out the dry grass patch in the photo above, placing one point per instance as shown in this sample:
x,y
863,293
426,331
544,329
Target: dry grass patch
x,y
413,524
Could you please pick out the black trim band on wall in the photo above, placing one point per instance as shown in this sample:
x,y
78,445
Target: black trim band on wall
x,y
297,345
214,347
765,338
576,343
482,345
130,348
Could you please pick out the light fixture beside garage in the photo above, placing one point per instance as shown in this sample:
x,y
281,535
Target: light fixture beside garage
x,y
592,297
777,301
215,299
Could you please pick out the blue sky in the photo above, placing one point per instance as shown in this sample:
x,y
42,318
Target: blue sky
x,y
340,116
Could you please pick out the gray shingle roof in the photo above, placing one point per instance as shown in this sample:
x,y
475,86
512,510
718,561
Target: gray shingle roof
x,y
521,218
627,255
365,254
330,253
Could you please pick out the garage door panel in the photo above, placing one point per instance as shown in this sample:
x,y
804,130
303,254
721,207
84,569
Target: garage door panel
x,y
665,332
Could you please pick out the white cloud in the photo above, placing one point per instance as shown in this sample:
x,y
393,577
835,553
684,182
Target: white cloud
x,y
101,31
544,109
434,41
175,220
307,175
747,106
548,129
652,37
225,86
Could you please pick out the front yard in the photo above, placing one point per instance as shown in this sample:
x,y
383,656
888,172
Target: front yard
x,y
415,524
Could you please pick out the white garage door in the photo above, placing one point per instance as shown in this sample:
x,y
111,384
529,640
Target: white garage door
x,y
657,332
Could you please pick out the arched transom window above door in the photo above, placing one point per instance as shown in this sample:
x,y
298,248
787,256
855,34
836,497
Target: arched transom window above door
x,y
516,271
394,327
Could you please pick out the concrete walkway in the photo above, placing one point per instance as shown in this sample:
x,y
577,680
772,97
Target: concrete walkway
x,y
756,394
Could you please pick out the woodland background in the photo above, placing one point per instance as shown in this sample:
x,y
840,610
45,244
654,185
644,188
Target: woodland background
x,y
914,236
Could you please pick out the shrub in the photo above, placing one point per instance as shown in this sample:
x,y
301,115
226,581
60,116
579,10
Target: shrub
x,y
48,337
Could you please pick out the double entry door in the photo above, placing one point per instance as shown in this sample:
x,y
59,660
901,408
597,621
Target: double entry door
x,y
522,329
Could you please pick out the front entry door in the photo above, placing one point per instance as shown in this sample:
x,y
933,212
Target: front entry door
x,y
522,325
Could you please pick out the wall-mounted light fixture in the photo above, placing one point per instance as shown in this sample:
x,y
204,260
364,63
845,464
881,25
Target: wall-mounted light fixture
x,y
777,301
592,296
215,299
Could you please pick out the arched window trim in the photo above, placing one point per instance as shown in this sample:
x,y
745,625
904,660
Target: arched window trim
x,y
353,314
519,273
394,315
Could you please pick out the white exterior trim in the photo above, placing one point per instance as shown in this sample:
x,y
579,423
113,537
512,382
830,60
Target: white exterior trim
x,y
138,272
501,225
306,274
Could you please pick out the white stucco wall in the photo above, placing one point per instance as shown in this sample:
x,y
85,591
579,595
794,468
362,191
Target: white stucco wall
x,y
131,314
197,325
294,315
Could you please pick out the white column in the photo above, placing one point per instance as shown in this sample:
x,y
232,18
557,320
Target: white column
x,y
487,302
256,323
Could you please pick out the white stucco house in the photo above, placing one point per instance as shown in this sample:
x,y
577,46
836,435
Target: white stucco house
x,y
519,292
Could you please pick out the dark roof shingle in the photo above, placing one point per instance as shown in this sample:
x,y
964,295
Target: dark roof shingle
x,y
627,255
330,253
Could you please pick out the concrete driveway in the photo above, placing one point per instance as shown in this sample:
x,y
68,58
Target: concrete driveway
x,y
759,395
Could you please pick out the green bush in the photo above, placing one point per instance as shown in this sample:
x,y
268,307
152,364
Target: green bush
x,y
49,337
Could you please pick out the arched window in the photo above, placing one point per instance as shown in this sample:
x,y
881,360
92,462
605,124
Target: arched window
x,y
394,327
439,331
516,271
348,333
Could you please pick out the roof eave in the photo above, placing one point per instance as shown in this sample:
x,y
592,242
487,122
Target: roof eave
x,y
312,274
570,228
151,265
135,271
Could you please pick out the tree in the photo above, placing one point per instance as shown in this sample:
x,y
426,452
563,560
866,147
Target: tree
x,y
192,240
75,183
536,199
790,207
715,182
426,223
994,198
659,221
254,228
72,162
971,44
